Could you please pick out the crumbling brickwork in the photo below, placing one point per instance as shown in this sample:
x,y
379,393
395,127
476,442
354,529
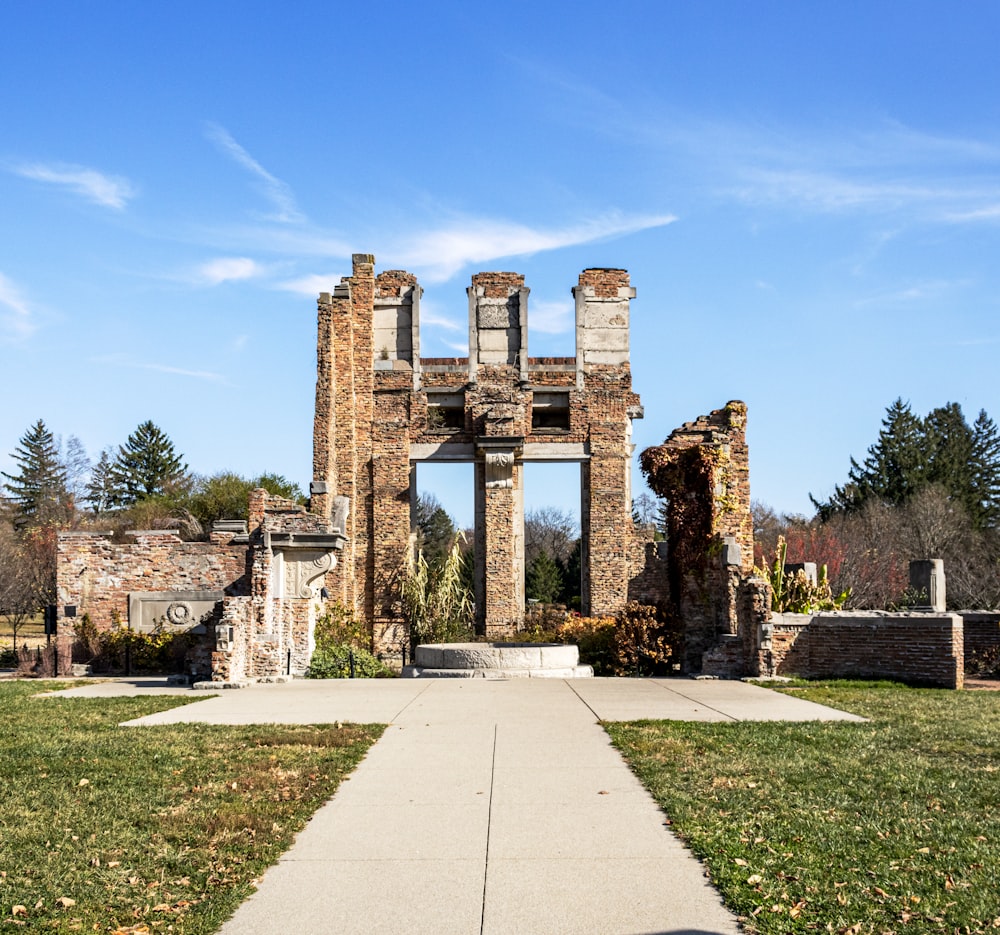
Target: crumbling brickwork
x,y
381,409
265,583
702,471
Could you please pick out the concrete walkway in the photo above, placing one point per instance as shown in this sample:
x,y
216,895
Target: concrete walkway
x,y
488,807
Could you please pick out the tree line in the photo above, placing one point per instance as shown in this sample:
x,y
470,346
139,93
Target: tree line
x,y
143,483
145,478
928,487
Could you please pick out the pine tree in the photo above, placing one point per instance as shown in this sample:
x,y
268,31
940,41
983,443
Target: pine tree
x,y
543,581
912,454
146,466
986,472
435,530
950,449
38,489
101,491
893,470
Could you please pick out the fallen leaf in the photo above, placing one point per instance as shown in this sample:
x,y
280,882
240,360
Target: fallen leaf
x,y
66,902
923,850
19,911
603,792
740,862
754,879
84,782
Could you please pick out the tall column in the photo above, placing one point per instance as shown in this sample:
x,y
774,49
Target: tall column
x,y
607,518
499,540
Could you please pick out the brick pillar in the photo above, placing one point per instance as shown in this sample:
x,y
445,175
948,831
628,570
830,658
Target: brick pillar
x,y
606,521
499,543
390,520
321,489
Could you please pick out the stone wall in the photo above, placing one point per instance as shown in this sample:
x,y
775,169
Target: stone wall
x,y
95,576
380,409
263,588
919,648
702,471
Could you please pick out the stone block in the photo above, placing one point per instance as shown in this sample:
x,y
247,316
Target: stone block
x,y
807,568
927,578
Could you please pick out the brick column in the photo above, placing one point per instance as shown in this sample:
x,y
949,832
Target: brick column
x,y
606,521
499,542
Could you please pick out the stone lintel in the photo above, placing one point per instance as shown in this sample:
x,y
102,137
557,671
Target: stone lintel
x,y
531,451
486,443
324,541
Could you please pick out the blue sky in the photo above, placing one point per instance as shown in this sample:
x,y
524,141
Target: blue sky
x,y
807,197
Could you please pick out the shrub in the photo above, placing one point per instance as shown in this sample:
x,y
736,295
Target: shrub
x,y
333,661
641,640
8,658
339,626
120,648
437,602
984,663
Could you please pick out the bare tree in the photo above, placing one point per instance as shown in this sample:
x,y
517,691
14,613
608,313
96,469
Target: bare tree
x,y
22,580
549,530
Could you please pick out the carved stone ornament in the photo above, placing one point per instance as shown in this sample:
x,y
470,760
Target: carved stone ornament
x,y
179,613
499,469
496,313
302,569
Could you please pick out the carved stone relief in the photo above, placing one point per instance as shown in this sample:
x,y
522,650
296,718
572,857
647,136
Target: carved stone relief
x,y
499,469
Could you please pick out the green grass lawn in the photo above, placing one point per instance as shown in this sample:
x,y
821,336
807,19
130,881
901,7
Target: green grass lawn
x,y
113,829
887,827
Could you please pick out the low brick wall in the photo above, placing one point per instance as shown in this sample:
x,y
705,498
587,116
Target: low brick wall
x,y
922,649
981,631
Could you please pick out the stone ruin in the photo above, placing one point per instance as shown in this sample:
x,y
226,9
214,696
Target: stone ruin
x,y
381,410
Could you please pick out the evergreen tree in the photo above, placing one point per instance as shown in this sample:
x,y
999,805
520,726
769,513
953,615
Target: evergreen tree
x,y
38,489
949,445
544,581
435,530
893,470
572,575
913,454
986,472
101,489
146,466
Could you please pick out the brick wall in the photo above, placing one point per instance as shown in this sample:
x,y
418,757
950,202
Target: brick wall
x,y
981,631
95,575
919,648
702,471
371,412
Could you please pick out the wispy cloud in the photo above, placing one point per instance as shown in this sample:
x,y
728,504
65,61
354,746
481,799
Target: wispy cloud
x,y
228,269
109,191
273,188
439,254
915,292
551,317
16,316
120,360
433,318
312,284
